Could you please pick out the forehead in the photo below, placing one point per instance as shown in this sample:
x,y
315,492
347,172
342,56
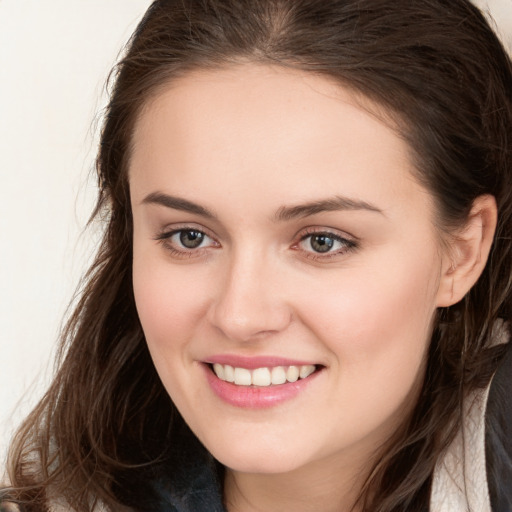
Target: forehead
x,y
277,130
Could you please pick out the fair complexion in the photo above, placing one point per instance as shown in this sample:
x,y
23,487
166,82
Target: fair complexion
x,y
277,223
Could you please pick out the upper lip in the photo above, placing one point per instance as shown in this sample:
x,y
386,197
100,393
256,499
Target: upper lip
x,y
254,362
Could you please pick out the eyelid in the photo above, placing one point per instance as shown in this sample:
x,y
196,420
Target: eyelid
x,y
169,230
165,234
322,230
351,242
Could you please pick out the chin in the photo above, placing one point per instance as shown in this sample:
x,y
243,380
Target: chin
x,y
256,459
264,466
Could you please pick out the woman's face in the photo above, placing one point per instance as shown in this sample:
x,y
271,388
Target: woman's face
x,y
278,229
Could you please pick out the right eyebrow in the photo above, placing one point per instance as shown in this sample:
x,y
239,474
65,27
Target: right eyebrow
x,y
331,204
177,203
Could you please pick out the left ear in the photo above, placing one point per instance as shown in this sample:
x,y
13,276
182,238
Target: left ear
x,y
468,251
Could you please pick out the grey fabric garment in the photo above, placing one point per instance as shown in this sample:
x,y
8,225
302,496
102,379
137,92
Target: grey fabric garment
x,y
475,473
498,437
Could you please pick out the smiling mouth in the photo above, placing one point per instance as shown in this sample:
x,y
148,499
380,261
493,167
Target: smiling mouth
x,y
263,377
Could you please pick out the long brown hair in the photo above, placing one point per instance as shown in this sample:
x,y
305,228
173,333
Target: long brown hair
x,y
106,422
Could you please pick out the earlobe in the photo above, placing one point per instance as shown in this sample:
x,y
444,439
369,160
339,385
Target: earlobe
x,y
468,252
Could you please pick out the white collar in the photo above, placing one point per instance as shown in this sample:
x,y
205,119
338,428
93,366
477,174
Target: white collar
x,y
460,477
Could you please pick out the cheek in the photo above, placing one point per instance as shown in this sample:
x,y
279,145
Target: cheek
x,y
170,304
170,301
375,305
377,326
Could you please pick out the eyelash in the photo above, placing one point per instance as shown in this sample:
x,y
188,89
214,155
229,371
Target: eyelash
x,y
348,245
165,239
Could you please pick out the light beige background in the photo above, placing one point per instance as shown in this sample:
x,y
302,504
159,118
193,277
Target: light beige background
x,y
54,59
55,56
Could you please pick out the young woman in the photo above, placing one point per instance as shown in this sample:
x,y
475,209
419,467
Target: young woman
x,y
303,296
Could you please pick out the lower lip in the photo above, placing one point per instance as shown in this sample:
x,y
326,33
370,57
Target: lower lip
x,y
254,397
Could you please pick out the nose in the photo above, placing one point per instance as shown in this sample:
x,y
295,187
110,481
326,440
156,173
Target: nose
x,y
250,300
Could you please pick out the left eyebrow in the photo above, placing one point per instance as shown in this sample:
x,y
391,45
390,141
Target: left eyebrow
x,y
336,203
177,203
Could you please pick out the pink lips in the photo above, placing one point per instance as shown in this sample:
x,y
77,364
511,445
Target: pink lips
x,y
254,397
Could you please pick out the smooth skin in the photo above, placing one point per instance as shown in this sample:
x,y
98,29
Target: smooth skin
x,y
351,285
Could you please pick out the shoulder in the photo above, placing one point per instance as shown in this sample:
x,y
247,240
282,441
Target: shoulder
x,y
12,507
498,436
475,471
9,507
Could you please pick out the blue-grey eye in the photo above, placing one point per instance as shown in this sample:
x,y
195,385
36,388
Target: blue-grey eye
x,y
190,238
321,242
325,243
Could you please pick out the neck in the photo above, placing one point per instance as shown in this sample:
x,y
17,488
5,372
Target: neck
x,y
320,487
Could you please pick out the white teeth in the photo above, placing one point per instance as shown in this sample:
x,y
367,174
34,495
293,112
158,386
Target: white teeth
x,y
219,371
306,370
262,377
278,375
292,374
229,373
243,377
